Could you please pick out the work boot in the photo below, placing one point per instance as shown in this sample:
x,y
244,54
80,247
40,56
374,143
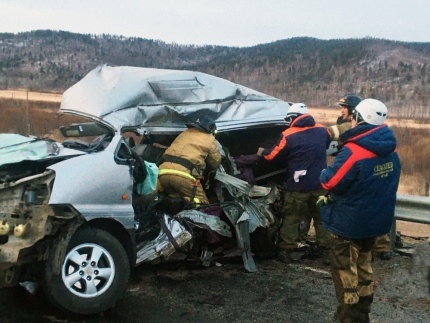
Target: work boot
x,y
324,253
385,255
398,243
290,256
320,252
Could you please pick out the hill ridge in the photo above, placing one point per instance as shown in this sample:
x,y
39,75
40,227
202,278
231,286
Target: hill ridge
x,y
298,69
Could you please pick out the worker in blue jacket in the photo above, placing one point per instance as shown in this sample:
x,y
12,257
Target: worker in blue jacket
x,y
362,183
302,149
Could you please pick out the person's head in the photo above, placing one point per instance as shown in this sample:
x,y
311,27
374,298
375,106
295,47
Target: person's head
x,y
205,123
348,104
370,111
294,111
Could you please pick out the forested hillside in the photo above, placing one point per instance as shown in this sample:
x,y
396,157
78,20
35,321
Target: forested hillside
x,y
308,70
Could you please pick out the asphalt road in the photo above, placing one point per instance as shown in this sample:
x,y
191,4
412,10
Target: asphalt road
x,y
187,292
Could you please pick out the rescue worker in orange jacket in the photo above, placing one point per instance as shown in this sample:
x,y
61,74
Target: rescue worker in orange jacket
x,y
362,182
185,161
302,148
348,104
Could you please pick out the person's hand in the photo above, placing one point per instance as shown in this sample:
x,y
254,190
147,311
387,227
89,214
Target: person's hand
x,y
323,200
260,151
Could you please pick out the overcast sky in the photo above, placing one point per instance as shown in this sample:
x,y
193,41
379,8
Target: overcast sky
x,y
223,22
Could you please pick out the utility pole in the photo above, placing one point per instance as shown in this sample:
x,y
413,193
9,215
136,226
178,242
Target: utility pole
x,y
27,116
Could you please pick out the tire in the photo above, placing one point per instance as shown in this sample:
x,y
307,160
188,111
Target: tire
x,y
94,273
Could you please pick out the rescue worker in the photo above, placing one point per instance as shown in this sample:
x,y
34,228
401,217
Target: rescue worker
x,y
362,183
348,103
184,162
302,148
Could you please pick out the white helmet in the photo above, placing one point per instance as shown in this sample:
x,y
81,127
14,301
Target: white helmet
x,y
372,111
294,111
298,108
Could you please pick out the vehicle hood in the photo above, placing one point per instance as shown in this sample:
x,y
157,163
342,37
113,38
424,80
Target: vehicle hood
x,y
164,100
15,148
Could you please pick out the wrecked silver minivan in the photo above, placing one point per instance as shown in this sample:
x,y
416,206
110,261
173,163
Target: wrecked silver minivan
x,y
77,215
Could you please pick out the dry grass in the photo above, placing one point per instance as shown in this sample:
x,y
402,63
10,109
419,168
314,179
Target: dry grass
x,y
32,96
411,184
27,117
413,148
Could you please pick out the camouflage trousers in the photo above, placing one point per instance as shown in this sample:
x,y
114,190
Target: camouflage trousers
x,y
382,244
351,270
294,204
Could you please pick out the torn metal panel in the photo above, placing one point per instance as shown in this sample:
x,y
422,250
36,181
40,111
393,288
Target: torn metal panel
x,y
257,208
253,212
164,100
205,221
161,246
244,242
241,226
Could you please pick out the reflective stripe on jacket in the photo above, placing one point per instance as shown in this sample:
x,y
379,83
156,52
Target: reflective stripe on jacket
x,y
176,172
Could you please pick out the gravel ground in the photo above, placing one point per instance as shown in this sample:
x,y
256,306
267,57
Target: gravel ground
x,y
225,292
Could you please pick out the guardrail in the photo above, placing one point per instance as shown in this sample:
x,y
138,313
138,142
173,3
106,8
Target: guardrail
x,y
410,208
413,208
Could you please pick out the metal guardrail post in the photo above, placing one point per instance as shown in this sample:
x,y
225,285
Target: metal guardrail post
x,y
410,208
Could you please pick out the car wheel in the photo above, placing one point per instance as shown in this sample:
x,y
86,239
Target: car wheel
x,y
94,273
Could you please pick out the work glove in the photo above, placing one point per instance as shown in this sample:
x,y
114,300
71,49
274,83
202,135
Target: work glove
x,y
260,151
323,200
